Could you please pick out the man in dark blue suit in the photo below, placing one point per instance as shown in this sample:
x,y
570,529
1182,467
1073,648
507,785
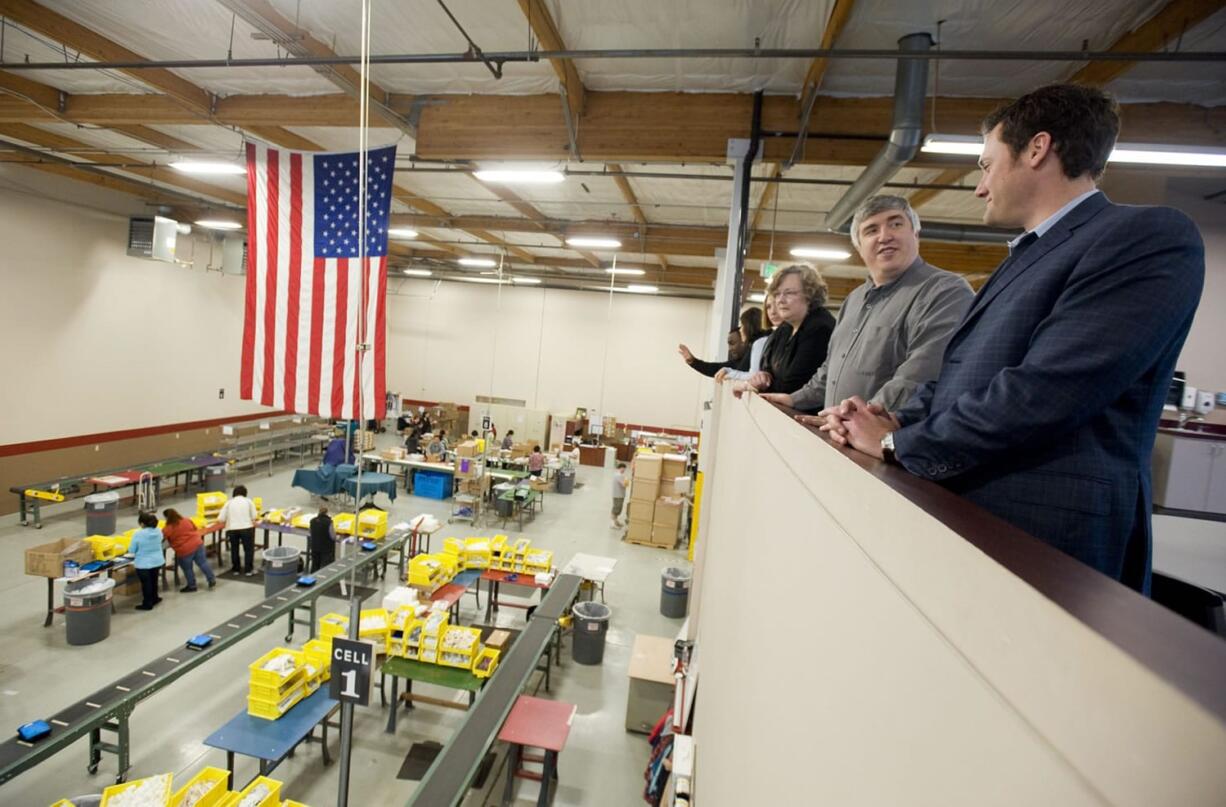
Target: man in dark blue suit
x,y
1048,398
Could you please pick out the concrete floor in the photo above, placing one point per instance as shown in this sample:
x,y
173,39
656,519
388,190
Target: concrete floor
x,y
40,673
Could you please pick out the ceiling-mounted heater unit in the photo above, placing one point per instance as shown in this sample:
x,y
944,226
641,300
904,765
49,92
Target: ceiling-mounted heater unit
x,y
152,238
234,255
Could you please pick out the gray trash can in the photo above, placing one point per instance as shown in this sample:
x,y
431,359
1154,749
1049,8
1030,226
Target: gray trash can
x,y
280,568
100,510
675,592
566,482
87,609
591,625
215,479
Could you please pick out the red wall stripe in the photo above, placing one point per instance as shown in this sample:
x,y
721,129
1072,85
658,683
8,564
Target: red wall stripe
x,y
38,446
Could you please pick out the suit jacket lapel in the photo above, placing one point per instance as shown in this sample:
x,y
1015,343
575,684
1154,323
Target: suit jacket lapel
x,y
1010,271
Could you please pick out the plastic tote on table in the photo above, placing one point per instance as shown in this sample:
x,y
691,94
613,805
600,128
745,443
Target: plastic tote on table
x,y
280,568
100,510
591,625
675,592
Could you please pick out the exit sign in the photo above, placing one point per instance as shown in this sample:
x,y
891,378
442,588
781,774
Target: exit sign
x,y
769,269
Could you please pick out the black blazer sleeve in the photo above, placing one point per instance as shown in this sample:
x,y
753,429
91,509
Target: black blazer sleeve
x,y
709,368
794,361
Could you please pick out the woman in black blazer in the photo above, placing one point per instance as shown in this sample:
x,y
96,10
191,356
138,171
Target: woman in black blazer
x,y
798,346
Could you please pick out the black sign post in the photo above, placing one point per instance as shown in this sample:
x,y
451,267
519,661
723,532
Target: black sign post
x,y
352,667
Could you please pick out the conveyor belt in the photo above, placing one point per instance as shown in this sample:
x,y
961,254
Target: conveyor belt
x,y
109,707
447,780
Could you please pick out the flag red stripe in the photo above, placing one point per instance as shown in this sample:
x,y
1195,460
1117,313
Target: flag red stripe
x,y
381,342
295,280
317,336
244,384
363,329
270,283
341,343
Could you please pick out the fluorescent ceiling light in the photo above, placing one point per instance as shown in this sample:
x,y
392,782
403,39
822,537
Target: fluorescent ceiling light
x,y
637,289
1123,152
529,280
757,297
477,262
953,144
635,272
1168,155
520,176
479,279
208,167
401,232
821,252
594,242
218,224
417,272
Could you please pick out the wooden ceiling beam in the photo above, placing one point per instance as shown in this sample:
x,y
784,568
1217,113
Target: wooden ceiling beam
x,y
622,126
839,15
1170,23
547,33
77,37
525,209
154,138
36,93
167,176
636,209
298,41
701,242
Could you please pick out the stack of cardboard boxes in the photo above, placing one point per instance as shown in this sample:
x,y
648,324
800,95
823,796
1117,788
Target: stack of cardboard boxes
x,y
470,469
655,510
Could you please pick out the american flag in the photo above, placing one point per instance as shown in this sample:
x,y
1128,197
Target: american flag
x,y
304,282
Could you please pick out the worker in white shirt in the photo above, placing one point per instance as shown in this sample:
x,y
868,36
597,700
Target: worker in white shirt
x,y
239,515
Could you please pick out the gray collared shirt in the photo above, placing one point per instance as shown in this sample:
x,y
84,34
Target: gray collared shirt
x,y
888,340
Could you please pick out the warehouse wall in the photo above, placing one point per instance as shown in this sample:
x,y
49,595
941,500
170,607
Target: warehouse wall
x,y
453,341
1202,356
97,341
908,666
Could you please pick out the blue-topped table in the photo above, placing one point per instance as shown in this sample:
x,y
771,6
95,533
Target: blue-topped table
x,y
326,480
372,483
271,741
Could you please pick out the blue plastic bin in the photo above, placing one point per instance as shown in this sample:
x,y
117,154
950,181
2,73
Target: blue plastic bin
x,y
432,485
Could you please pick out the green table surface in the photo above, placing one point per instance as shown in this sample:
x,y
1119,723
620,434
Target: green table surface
x,y
169,468
509,496
437,674
507,473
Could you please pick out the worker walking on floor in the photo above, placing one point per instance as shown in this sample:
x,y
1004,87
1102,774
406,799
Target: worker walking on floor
x,y
619,493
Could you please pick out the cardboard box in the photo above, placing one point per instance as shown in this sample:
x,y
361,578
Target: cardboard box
x,y
644,490
468,448
639,531
642,510
474,487
651,682
539,485
674,466
47,560
667,513
664,536
682,486
499,640
648,466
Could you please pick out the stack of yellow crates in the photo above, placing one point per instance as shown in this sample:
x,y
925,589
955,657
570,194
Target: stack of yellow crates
x,y
459,647
372,524
374,625
431,634
206,789
343,523
208,506
333,625
429,572
318,653
278,680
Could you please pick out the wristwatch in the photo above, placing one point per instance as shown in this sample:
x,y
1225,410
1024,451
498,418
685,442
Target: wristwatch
x,y
887,448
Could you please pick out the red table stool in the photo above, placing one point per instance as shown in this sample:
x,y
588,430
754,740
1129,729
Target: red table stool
x,y
535,723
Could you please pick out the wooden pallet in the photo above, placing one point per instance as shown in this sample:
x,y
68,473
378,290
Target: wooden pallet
x,y
648,543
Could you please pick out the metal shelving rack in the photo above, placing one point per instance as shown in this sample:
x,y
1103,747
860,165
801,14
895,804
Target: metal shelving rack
x,y
269,445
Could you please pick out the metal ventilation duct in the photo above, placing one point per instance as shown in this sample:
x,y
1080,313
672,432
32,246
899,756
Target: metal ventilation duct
x,y
910,87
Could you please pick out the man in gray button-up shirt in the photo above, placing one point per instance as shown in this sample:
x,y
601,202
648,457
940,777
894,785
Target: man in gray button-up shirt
x,y
891,332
